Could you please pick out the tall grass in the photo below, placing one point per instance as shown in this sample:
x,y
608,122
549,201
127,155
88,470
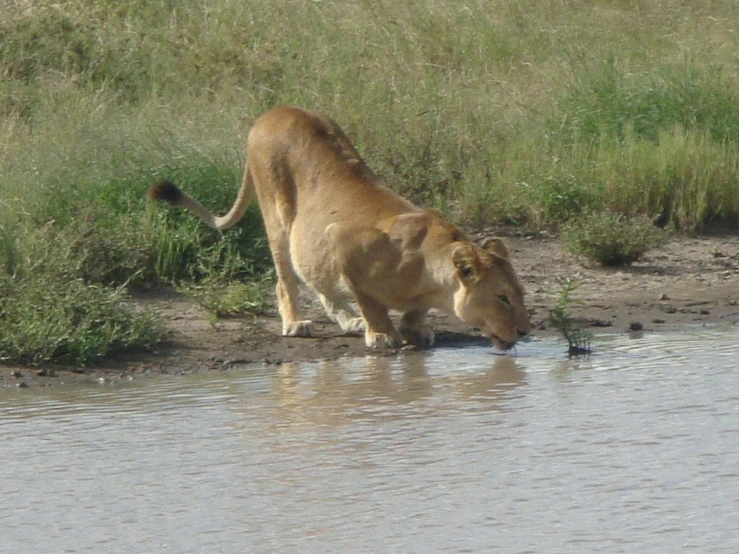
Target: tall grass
x,y
494,111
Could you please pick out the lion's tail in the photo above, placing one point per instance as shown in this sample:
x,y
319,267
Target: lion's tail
x,y
167,191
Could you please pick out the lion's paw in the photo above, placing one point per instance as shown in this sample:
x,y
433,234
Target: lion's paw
x,y
382,340
298,329
422,337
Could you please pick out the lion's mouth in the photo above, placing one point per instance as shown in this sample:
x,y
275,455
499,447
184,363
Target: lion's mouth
x,y
500,343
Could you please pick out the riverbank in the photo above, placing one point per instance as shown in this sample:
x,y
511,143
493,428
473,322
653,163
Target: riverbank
x,y
689,282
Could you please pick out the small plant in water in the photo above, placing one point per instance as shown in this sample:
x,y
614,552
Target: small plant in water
x,y
578,339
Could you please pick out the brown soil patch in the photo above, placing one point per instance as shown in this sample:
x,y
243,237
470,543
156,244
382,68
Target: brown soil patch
x,y
690,281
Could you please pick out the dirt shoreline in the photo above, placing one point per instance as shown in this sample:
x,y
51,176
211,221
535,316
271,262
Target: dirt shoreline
x,y
690,281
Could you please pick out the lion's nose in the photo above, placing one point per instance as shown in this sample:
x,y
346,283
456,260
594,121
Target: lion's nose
x,y
522,333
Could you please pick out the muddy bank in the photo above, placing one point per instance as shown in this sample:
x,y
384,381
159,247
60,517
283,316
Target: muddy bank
x,y
691,281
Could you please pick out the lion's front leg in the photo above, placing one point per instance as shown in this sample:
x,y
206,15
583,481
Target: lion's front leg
x,y
379,331
366,259
414,330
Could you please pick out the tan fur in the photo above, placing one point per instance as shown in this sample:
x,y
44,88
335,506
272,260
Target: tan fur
x,y
332,224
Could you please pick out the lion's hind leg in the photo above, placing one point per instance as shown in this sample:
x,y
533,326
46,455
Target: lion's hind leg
x,y
293,323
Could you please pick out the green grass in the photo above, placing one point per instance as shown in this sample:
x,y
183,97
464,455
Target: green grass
x,y
497,111
69,322
228,297
48,313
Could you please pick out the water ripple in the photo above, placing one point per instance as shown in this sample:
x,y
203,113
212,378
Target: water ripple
x,y
634,448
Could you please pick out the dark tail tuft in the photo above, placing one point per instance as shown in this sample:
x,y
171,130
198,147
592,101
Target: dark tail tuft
x,y
165,191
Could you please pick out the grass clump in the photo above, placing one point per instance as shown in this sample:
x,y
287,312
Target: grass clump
x,y
49,320
49,314
612,239
560,317
228,297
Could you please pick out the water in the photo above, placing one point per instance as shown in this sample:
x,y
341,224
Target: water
x,y
633,450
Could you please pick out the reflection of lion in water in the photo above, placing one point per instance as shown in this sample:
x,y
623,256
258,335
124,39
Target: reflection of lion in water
x,y
336,392
334,225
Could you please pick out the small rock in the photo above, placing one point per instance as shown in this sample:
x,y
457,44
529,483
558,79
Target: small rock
x,y
636,326
594,322
46,373
668,309
663,296
17,374
22,385
658,321
705,312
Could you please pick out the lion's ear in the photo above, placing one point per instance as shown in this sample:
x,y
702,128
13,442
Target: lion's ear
x,y
466,263
497,247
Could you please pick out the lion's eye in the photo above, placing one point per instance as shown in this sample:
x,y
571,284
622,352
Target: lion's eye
x,y
503,298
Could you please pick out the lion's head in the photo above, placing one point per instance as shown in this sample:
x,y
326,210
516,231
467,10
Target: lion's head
x,y
490,296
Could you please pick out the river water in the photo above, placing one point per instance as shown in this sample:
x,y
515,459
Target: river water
x,y
635,449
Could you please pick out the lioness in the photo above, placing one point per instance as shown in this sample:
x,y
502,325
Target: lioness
x,y
333,224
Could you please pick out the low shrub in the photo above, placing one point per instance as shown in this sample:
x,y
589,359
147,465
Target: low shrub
x,y
612,239
45,320
50,313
